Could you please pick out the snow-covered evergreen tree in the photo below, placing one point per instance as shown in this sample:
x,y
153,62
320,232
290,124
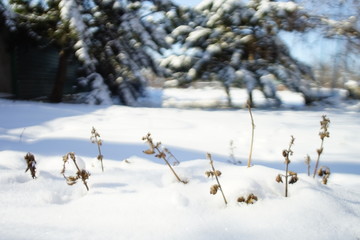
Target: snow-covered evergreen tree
x,y
6,17
114,38
125,42
237,42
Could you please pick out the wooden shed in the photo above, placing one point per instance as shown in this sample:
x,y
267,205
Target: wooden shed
x,y
28,71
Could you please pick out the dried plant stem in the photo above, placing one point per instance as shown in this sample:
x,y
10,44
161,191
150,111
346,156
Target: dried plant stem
x,y
252,134
100,155
177,162
95,135
79,170
307,161
163,156
160,154
286,179
323,134
216,177
287,162
319,151
286,153
21,135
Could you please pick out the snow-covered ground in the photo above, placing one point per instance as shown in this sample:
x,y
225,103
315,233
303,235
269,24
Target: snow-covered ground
x,y
138,197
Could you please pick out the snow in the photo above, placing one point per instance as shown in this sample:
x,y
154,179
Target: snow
x,y
176,62
181,30
198,33
137,196
213,48
69,11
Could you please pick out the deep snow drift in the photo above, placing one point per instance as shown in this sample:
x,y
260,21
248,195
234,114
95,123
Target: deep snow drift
x,y
137,197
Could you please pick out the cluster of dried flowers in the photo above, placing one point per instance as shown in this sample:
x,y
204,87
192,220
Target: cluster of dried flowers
x,y
80,174
215,173
250,199
324,172
286,154
324,133
31,164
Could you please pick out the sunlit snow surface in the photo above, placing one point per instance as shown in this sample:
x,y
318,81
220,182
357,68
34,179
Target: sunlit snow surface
x,y
137,197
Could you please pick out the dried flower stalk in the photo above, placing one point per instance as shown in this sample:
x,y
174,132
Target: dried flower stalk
x,y
232,154
80,174
215,173
252,134
307,162
160,154
286,154
324,125
31,164
95,138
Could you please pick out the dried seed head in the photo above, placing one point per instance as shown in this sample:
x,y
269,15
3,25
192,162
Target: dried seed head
x,y
70,183
324,172
217,173
293,179
31,164
208,173
292,140
251,199
83,174
320,150
285,153
213,189
161,155
65,158
254,197
278,178
149,151
325,180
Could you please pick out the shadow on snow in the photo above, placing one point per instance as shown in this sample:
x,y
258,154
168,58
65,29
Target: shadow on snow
x,y
120,151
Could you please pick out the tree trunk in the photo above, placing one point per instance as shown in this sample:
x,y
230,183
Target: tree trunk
x,y
250,101
58,88
229,100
